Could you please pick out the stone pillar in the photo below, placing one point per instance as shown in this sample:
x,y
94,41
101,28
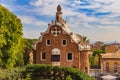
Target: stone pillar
x,y
84,59
31,57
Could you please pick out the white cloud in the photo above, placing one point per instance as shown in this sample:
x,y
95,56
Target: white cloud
x,y
113,7
47,7
31,34
44,3
33,21
109,28
37,3
106,29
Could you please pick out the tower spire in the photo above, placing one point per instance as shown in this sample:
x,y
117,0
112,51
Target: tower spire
x,y
59,8
59,14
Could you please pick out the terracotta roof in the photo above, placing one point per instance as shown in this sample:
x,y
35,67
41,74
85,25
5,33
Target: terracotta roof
x,y
111,55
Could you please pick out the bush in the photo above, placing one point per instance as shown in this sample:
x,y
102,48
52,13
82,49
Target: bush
x,y
48,72
11,74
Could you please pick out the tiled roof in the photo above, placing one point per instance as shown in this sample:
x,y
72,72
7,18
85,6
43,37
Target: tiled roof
x,y
111,55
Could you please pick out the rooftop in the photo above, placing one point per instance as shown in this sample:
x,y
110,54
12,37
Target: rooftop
x,y
111,55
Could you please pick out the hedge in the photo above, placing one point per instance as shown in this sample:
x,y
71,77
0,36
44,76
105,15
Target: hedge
x,y
48,72
11,74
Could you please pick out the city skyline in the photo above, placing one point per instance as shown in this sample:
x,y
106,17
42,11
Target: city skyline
x,y
98,20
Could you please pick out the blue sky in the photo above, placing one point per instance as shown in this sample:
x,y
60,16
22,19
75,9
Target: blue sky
x,y
99,20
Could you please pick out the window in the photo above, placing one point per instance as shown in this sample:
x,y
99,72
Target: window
x,y
55,58
48,42
56,31
107,66
69,56
43,56
64,42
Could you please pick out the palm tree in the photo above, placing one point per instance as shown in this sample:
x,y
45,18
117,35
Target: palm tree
x,y
85,40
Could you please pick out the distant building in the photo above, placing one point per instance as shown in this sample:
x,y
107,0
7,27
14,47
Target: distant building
x,y
114,47
111,60
97,45
58,46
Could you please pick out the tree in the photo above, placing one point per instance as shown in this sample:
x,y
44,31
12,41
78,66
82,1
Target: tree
x,y
27,48
95,57
98,52
10,39
85,40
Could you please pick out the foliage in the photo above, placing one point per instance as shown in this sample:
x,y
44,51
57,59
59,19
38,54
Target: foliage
x,y
85,40
44,72
11,74
28,43
10,39
98,52
94,58
27,48
91,60
68,77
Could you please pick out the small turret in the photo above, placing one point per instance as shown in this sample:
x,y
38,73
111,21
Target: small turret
x,y
59,14
59,8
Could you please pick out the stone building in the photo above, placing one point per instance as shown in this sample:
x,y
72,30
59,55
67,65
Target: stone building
x,y
97,45
110,62
59,46
114,47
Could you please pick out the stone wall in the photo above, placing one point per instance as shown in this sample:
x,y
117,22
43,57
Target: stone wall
x,y
84,58
111,64
111,48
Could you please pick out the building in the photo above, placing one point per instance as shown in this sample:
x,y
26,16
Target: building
x,y
110,62
97,45
114,47
58,46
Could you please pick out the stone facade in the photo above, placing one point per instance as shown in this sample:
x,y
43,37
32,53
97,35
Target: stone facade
x,y
112,48
110,62
58,46
110,65
97,45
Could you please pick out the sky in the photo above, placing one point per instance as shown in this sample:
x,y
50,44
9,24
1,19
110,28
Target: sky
x,y
99,20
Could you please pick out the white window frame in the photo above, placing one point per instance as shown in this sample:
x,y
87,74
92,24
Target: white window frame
x,y
42,57
47,42
62,42
67,56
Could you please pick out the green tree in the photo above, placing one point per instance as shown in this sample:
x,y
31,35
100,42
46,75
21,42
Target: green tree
x,y
85,41
98,52
96,60
10,39
95,57
27,48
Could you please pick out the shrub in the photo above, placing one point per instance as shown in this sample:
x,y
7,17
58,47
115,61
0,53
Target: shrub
x,y
11,74
48,72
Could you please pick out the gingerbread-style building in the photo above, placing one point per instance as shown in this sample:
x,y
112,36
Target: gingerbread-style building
x,y
58,46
